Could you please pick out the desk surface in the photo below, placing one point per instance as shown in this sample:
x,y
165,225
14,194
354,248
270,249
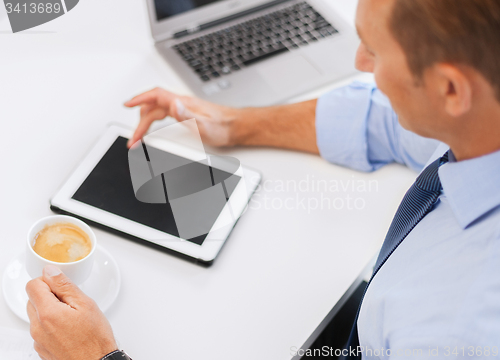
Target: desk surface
x,y
310,229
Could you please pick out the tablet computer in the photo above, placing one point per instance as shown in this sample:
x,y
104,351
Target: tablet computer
x,y
163,192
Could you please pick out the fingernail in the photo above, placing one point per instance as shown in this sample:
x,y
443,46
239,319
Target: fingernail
x,y
180,107
134,145
51,270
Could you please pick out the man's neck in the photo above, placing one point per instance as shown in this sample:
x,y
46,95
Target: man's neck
x,y
476,136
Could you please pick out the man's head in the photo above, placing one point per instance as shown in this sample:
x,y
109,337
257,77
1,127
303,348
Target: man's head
x,y
438,61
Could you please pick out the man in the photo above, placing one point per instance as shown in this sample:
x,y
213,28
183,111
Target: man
x,y
436,292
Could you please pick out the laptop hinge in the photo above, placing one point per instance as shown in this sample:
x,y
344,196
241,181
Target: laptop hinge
x,y
227,18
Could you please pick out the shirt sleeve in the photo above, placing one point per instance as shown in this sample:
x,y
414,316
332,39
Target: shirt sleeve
x,y
356,127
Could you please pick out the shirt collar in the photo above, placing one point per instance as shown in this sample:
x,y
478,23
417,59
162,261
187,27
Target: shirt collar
x,y
472,187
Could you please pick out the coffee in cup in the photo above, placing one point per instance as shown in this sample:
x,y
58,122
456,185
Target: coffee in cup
x,y
62,243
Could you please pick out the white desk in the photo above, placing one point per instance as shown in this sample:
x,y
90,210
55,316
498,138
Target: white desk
x,y
62,83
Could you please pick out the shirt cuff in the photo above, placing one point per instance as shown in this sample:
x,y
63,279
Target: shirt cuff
x,y
341,126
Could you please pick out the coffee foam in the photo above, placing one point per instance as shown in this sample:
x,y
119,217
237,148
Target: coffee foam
x,y
62,242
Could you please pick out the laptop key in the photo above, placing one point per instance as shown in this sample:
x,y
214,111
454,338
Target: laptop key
x,y
254,40
255,59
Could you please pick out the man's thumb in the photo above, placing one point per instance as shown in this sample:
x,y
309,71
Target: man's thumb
x,y
61,286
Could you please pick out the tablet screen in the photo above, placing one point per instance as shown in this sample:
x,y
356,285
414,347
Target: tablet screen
x,y
109,188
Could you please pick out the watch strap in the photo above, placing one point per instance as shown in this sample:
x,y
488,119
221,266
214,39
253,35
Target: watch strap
x,y
117,355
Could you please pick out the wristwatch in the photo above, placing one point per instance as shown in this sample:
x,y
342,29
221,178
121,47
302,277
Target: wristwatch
x,y
117,355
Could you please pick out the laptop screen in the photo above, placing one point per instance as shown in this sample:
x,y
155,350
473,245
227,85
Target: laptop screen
x,y
168,8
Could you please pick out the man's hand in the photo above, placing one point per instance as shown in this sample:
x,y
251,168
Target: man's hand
x,y
288,126
214,121
65,323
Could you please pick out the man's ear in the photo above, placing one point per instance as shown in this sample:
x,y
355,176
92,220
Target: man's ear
x,y
455,88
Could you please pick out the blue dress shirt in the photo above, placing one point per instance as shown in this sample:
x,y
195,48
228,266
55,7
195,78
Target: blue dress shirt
x,y
438,295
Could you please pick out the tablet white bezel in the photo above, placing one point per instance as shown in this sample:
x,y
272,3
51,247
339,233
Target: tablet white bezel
x,y
214,240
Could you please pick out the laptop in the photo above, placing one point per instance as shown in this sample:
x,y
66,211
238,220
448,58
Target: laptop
x,y
253,52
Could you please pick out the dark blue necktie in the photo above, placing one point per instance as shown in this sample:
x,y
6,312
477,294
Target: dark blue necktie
x,y
417,203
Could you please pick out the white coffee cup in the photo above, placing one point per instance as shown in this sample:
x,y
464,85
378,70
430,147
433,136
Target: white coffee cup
x,y
77,271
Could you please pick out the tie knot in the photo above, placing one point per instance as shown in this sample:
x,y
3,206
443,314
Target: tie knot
x,y
428,180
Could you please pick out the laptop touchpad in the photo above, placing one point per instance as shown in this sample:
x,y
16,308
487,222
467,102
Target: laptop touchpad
x,y
285,74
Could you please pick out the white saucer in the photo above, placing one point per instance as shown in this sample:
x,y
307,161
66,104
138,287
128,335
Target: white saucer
x,y
103,284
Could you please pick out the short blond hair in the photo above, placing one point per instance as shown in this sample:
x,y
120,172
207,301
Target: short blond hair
x,y
452,31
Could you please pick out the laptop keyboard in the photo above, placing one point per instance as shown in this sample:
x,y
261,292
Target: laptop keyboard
x,y
233,48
